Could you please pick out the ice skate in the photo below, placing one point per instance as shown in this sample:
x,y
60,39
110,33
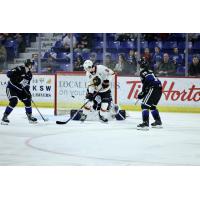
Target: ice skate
x,y
103,119
157,124
32,120
5,120
143,126
83,117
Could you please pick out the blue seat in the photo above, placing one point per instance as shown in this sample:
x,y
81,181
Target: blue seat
x,y
58,44
169,45
113,46
110,38
86,55
62,55
127,45
154,44
11,53
98,35
10,43
196,45
43,59
190,58
98,45
114,56
181,45
144,44
11,48
46,55
180,70
63,60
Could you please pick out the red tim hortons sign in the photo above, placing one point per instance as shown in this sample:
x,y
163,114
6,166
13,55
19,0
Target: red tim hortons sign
x,y
177,91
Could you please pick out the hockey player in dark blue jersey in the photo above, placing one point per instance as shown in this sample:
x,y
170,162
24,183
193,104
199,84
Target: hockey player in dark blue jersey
x,y
150,95
19,88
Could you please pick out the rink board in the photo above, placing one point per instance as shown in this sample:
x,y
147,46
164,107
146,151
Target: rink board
x,y
179,94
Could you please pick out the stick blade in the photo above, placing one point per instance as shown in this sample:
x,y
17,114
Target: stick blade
x,y
60,122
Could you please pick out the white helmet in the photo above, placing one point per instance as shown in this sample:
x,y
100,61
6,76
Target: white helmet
x,y
87,64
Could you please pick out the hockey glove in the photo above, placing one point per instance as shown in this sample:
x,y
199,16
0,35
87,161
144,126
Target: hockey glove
x,y
105,84
28,76
90,96
141,95
96,81
24,83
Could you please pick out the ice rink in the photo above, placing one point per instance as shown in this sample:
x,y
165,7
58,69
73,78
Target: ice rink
x,y
117,143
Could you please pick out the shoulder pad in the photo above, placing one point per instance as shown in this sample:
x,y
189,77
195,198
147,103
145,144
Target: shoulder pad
x,y
143,73
150,71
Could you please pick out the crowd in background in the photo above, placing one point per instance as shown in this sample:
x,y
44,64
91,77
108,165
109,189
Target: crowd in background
x,y
164,62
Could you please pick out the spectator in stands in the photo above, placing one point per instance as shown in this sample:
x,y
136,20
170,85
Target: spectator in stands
x,y
84,44
78,64
35,66
157,57
93,58
3,57
131,58
109,62
136,56
50,65
147,56
149,37
20,38
67,42
132,61
122,67
162,36
177,58
166,67
193,37
123,37
2,38
194,68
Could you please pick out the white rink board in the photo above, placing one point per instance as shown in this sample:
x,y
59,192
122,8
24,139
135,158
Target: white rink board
x,y
177,91
72,89
3,83
42,88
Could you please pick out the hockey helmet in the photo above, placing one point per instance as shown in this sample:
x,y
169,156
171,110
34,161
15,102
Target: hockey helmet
x,y
87,65
143,63
29,62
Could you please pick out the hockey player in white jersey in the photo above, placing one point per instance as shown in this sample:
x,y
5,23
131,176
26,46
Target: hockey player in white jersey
x,y
99,78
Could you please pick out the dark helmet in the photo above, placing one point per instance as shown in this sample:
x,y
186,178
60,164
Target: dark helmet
x,y
143,63
29,62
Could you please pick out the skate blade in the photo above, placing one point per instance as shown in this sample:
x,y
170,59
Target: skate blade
x,y
103,122
31,122
158,126
143,129
4,123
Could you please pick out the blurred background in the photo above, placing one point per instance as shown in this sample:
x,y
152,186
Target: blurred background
x,y
169,54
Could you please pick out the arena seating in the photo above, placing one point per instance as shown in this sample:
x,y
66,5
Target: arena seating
x,y
113,47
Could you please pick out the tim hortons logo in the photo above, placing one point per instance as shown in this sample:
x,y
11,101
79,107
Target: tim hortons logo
x,y
170,93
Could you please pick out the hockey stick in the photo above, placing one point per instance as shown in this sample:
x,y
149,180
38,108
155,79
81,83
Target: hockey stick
x,y
38,110
136,102
71,118
35,106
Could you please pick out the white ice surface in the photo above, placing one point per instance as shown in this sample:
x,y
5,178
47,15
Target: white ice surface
x,y
94,143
